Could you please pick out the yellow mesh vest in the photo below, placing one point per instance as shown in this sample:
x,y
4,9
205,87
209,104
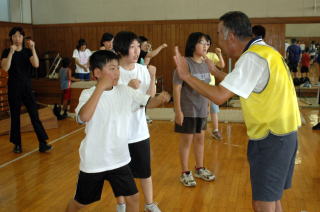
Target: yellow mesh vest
x,y
275,109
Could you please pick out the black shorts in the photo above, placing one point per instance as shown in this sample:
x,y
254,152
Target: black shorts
x,y
90,185
271,163
304,69
191,125
140,159
293,66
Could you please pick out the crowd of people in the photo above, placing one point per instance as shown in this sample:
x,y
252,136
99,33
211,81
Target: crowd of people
x,y
116,146
300,58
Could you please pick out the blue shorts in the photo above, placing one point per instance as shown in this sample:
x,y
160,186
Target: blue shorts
x,y
82,76
271,161
214,108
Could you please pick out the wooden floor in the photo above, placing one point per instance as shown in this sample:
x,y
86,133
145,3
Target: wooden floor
x,y
46,182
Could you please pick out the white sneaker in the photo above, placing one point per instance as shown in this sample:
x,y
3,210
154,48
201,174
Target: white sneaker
x,y
121,207
188,180
216,135
204,174
153,207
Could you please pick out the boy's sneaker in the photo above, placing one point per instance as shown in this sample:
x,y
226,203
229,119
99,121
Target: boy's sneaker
x,y
204,174
149,121
153,207
121,207
187,179
216,135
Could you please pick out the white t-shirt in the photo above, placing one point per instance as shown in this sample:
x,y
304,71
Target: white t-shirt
x,y
250,74
105,146
138,125
83,57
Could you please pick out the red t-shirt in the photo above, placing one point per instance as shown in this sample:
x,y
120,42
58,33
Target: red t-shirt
x,y
305,60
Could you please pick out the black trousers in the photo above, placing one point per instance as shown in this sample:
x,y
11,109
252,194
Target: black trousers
x,y
19,94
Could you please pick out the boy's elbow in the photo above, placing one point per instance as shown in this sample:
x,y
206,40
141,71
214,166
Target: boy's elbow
x,y
82,118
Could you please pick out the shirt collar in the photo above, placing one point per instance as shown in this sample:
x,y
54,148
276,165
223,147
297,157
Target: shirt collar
x,y
251,42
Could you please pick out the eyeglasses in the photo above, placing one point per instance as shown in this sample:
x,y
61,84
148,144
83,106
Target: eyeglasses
x,y
203,42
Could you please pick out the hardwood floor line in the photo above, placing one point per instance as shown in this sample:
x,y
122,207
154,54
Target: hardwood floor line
x,y
35,150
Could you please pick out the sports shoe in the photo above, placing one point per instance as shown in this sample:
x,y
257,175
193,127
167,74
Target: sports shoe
x,y
216,135
188,180
149,121
204,174
306,85
44,147
153,207
121,207
17,148
316,127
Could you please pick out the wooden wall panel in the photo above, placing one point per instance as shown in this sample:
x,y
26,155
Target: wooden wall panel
x,y
4,31
63,38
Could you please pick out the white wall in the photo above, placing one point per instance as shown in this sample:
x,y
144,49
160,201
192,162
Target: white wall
x,y
302,30
75,11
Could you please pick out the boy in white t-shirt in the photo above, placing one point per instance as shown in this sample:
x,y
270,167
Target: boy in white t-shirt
x,y
104,153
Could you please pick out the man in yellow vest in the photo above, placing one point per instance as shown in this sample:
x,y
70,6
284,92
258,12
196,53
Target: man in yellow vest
x,y
269,104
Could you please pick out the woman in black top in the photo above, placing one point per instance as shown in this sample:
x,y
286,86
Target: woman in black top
x,y
19,61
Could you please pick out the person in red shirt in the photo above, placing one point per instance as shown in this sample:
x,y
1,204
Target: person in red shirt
x,y
305,64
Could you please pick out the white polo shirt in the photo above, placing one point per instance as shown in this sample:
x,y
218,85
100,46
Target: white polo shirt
x,y
250,74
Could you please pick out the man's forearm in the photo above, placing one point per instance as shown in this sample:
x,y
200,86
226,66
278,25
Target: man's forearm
x,y
218,75
214,93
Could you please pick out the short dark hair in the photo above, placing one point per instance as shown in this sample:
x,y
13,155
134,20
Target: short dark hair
x,y
191,43
259,30
122,42
81,42
65,62
101,57
142,39
13,31
106,37
208,38
293,41
238,23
